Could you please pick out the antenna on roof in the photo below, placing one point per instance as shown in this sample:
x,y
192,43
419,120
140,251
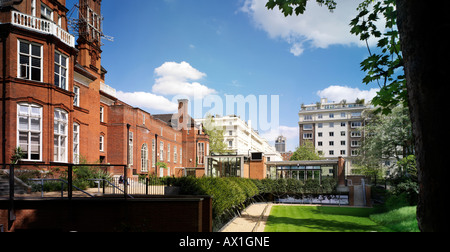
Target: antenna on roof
x,y
88,24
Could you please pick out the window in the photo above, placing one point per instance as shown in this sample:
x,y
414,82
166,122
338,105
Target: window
x,y
343,115
161,151
168,152
355,144
130,148
342,133
331,152
102,113
320,125
331,143
356,133
230,132
230,143
343,124
46,12
144,158
33,8
342,152
175,155
201,153
356,125
342,143
307,127
153,153
320,116
355,153
29,131
102,143
181,155
61,63
60,136
320,134
30,61
320,143
331,125
76,143
308,118
76,98
307,136
331,115
331,134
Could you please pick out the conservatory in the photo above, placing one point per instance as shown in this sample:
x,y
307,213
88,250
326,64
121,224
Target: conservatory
x,y
303,170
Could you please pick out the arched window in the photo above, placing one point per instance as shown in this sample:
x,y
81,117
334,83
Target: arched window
x,y
29,131
144,158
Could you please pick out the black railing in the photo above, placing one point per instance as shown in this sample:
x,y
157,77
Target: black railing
x,y
65,173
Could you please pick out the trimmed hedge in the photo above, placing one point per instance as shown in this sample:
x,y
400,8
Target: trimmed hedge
x,y
231,193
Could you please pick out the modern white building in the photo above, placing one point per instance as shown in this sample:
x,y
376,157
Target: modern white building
x,y
335,128
241,138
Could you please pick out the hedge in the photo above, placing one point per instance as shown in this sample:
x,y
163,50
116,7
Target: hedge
x,y
231,193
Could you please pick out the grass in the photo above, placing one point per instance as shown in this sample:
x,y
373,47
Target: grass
x,y
399,220
322,219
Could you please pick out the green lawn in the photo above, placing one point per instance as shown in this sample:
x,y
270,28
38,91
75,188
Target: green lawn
x,y
321,219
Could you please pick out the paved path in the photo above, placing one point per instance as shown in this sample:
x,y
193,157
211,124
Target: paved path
x,y
252,219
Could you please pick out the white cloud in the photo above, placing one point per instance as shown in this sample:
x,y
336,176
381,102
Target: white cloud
x,y
316,28
339,93
177,79
147,100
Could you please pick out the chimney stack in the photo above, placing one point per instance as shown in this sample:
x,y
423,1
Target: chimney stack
x,y
183,114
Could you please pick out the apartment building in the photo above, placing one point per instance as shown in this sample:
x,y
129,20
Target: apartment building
x,y
335,128
56,106
241,138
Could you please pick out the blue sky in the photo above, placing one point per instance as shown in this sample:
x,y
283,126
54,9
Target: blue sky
x,y
166,48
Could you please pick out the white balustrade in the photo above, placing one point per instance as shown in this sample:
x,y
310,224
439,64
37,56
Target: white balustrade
x,y
43,26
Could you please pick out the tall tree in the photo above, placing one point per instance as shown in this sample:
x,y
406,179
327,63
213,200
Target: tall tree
x,y
424,56
216,139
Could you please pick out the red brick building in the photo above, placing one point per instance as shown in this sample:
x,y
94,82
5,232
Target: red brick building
x,y
56,106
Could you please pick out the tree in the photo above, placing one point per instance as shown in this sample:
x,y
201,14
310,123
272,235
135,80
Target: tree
x,y
424,55
305,152
216,140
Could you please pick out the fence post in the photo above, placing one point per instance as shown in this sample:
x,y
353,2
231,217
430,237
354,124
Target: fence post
x,y
125,181
69,182
11,182
146,186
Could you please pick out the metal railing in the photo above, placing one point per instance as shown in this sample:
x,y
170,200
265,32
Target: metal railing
x,y
63,173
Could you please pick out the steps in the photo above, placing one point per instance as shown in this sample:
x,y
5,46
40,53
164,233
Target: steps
x,y
19,188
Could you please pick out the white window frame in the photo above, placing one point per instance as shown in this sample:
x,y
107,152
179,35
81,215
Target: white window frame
x,y
175,154
130,146
102,114
153,153
30,56
201,153
76,98
44,13
76,143
181,156
29,115
144,158
168,152
60,136
58,64
161,151
33,8
102,143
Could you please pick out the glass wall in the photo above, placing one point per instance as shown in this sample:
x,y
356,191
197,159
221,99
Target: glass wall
x,y
225,166
304,173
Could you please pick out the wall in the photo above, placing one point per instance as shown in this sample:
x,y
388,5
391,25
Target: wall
x,y
176,214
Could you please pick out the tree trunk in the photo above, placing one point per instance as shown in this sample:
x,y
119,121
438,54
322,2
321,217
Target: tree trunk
x,y
423,27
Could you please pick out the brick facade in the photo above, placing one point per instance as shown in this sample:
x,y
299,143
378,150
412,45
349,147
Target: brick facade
x,y
56,79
